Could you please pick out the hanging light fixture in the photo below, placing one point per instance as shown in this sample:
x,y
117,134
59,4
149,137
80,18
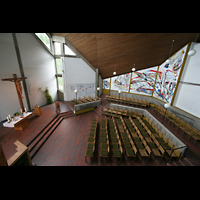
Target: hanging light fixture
x,y
192,51
114,73
168,60
133,69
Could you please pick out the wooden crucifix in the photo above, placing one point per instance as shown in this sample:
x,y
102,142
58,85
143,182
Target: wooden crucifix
x,y
18,88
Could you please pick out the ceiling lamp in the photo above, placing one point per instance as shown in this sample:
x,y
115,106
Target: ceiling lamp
x,y
133,69
167,61
192,51
114,73
167,105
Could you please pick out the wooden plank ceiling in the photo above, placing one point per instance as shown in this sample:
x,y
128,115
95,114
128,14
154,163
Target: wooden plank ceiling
x,y
107,51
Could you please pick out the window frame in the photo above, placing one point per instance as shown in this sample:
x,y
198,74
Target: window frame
x,y
51,51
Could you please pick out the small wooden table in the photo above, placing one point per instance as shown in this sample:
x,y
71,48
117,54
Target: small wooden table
x,y
20,123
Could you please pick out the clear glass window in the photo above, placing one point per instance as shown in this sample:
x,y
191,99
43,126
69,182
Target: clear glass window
x,y
60,83
68,51
44,38
57,48
59,66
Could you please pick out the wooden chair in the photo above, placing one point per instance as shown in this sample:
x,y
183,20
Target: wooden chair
x,y
104,153
90,151
176,153
194,133
159,152
143,153
117,153
131,152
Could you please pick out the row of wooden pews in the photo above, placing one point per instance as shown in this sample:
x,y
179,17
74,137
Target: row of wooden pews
x,y
91,140
128,101
115,112
128,145
85,100
115,142
160,139
104,140
181,124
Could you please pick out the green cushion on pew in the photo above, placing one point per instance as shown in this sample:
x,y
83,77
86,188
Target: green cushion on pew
x,y
90,146
127,145
152,145
90,139
136,139
130,152
115,140
115,146
91,134
113,134
139,145
104,146
160,139
166,146
104,140
125,139
123,134
145,135
116,153
89,152
112,131
103,134
104,153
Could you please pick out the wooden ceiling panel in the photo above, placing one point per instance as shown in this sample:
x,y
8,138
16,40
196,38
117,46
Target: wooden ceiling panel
x,y
107,51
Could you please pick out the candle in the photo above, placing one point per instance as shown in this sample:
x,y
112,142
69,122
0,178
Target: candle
x,y
25,110
9,117
21,110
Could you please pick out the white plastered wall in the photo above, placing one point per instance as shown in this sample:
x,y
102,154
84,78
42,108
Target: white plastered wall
x,y
76,71
188,95
39,68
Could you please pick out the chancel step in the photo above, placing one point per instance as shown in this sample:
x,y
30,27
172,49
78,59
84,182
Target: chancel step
x,y
99,110
38,141
181,162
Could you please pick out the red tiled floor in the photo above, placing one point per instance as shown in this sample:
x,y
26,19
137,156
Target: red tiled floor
x,y
67,144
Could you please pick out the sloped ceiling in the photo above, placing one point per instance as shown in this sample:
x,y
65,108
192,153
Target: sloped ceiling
x,y
107,51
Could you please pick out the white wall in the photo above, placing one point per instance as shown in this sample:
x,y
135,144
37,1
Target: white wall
x,y
9,102
39,68
188,96
76,71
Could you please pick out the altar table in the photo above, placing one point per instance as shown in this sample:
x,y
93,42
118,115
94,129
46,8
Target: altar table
x,y
21,122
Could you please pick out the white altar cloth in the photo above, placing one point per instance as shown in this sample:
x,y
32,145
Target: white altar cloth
x,y
18,118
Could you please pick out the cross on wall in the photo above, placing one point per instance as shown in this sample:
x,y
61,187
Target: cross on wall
x,y
18,88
